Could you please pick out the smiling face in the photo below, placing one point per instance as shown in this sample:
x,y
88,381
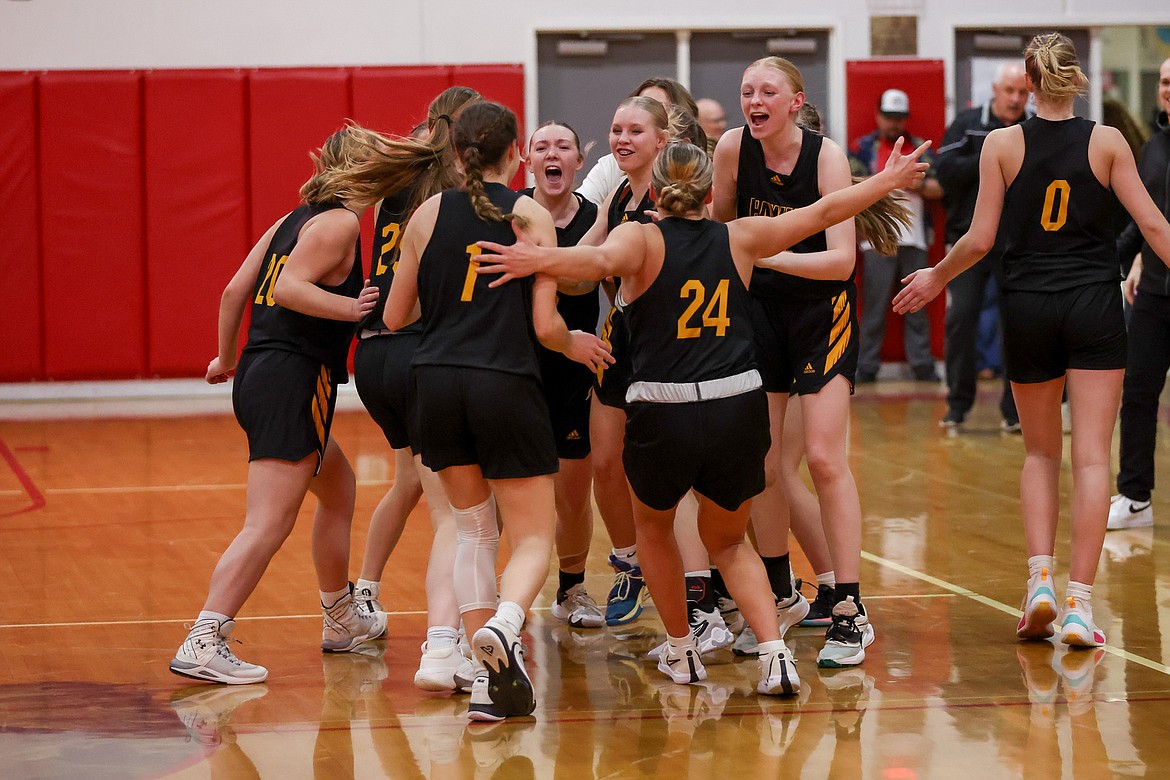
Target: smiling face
x,y
554,159
768,101
634,138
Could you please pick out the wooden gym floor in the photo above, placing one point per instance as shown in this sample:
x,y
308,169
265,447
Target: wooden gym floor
x,y
109,529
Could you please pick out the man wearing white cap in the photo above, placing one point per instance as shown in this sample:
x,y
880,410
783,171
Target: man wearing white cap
x,y
881,274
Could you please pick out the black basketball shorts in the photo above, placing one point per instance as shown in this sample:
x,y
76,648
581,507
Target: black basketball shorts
x,y
612,381
567,387
717,447
802,343
284,401
385,383
494,419
1047,333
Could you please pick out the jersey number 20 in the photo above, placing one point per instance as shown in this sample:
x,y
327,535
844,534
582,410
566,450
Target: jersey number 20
x,y
714,316
1053,217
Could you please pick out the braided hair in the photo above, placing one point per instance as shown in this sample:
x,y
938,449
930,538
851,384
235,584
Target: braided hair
x,y
482,136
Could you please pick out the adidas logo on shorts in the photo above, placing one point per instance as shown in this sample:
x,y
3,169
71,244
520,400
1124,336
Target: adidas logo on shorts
x,y
573,436
808,369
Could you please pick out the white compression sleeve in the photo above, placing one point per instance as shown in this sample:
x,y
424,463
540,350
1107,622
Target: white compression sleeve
x,y
476,546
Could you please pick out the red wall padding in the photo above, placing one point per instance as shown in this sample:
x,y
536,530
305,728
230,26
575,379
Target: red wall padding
x,y
291,113
502,84
394,100
197,228
92,188
127,199
923,81
20,316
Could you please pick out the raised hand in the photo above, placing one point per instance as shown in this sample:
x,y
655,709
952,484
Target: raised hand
x,y
512,262
904,169
588,349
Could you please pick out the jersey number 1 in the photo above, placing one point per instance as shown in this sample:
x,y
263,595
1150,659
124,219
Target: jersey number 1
x,y
714,316
473,253
1048,219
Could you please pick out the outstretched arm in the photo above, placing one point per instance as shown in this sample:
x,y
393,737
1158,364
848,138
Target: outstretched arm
x,y
924,285
763,237
620,255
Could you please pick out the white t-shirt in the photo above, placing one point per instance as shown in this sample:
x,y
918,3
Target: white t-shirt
x,y
603,178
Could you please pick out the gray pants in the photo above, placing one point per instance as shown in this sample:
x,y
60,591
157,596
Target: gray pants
x,y
880,279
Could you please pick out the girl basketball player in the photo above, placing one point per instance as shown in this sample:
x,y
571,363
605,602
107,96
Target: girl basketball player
x,y
805,323
554,157
697,411
402,173
1050,179
487,431
303,280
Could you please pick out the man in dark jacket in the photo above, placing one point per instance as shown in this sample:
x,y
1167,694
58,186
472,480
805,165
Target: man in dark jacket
x,y
958,173
1149,335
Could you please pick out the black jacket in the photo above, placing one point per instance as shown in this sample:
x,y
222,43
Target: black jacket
x,y
957,165
1155,172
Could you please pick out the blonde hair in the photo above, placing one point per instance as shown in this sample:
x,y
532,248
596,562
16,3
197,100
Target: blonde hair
x,y
789,71
682,178
426,163
880,224
330,164
482,136
685,127
651,106
1051,63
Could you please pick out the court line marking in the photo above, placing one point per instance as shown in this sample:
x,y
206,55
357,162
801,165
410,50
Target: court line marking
x,y
36,498
990,602
163,488
168,621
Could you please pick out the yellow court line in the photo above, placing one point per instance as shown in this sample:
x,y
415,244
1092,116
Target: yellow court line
x,y
989,602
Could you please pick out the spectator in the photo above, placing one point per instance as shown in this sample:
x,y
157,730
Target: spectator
x,y
868,157
711,117
1149,337
958,173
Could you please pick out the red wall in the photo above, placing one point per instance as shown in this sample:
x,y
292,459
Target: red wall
x,y
128,199
923,82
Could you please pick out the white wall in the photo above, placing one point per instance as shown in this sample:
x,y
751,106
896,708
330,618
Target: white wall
x,y
37,34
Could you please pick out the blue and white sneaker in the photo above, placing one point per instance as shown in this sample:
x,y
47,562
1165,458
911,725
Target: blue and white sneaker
x,y
627,595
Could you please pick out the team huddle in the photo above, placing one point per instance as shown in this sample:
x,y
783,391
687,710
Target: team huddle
x,y
727,357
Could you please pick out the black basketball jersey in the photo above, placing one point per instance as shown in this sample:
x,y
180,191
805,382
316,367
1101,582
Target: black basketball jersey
x,y
388,225
1058,219
466,323
760,191
618,207
572,233
275,327
692,323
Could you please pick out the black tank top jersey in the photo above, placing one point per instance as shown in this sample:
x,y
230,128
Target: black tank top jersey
x,y
692,323
1058,218
465,323
619,211
275,327
580,312
760,191
388,225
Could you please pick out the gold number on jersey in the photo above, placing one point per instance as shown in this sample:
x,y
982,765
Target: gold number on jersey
x,y
391,233
473,252
264,294
714,316
1053,222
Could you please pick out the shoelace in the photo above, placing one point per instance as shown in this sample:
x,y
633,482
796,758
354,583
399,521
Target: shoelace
x,y
622,582
844,628
581,599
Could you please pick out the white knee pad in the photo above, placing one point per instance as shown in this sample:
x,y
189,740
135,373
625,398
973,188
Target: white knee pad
x,y
476,545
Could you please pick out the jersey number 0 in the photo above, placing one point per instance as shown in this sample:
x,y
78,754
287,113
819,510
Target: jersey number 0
x,y
1053,217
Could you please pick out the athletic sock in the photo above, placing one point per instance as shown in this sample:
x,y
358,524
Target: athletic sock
x,y
699,591
779,576
1038,562
209,615
328,599
1079,591
567,581
361,585
512,614
439,637
843,589
627,554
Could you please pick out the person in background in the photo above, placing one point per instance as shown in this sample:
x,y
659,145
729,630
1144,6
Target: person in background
x,y
712,119
1147,288
957,167
881,273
